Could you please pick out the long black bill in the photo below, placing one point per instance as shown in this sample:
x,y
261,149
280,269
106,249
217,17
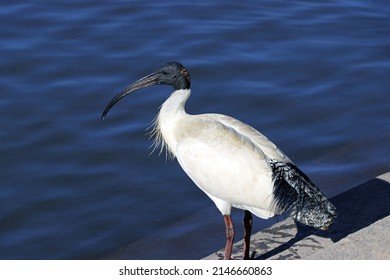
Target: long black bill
x,y
147,81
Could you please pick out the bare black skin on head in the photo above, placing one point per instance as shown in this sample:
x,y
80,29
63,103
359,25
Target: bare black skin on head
x,y
172,73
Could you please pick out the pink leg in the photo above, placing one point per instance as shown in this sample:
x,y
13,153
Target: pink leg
x,y
229,236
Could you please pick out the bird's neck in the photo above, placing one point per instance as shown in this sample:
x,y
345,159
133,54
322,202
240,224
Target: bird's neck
x,y
171,112
175,103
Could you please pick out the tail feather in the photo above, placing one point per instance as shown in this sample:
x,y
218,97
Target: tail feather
x,y
296,195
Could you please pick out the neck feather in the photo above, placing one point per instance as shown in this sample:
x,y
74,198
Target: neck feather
x,y
164,123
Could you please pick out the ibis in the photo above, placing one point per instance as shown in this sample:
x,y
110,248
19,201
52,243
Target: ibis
x,y
230,161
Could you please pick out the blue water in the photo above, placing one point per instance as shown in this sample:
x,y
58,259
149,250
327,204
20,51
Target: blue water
x,y
311,75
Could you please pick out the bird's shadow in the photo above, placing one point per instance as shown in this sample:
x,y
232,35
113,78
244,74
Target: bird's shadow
x,y
357,208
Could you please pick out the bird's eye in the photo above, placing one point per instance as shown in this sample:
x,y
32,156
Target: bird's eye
x,y
164,72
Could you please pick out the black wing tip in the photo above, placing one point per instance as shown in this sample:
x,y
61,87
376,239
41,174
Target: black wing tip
x,y
320,217
295,195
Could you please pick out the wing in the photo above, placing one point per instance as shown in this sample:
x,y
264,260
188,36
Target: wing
x,y
293,191
235,165
268,147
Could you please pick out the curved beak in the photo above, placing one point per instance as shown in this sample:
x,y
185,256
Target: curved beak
x,y
147,81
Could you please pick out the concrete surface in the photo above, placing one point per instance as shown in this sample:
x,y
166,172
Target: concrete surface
x,y
361,230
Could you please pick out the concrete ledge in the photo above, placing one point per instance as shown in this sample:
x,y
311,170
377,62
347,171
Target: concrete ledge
x,y
361,230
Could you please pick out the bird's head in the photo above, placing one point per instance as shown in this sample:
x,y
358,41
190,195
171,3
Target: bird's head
x,y
172,73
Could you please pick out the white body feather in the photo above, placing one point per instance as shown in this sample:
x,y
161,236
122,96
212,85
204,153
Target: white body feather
x,y
225,158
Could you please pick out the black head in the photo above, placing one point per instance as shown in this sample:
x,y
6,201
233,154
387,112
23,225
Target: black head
x,y
172,73
175,75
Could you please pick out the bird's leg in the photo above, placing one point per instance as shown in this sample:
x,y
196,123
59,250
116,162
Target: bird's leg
x,y
247,233
229,236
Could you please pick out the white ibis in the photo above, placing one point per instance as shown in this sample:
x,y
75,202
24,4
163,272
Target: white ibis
x,y
234,164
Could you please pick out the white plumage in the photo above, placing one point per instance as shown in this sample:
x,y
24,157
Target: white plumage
x,y
234,164
224,157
